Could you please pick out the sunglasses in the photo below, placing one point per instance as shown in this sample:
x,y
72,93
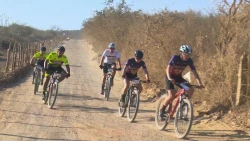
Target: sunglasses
x,y
138,58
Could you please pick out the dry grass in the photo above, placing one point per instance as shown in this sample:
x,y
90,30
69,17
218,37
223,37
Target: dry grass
x,y
218,41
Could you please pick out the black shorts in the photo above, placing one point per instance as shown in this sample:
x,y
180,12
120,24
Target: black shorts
x,y
40,62
130,76
107,66
179,79
51,69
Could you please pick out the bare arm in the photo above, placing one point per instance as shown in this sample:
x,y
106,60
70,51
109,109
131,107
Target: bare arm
x,y
167,72
45,64
101,62
124,70
31,60
119,62
68,68
197,78
146,74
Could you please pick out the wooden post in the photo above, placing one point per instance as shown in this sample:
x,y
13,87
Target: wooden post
x,y
13,58
238,94
8,59
19,56
248,73
26,53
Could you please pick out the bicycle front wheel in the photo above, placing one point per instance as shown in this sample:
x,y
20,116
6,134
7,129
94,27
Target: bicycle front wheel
x,y
183,119
37,81
108,88
53,94
161,122
133,105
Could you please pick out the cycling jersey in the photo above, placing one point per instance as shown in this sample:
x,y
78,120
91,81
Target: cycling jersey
x,y
40,58
177,65
54,60
110,58
133,66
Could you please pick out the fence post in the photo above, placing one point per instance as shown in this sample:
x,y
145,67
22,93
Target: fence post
x,y
8,59
13,58
19,56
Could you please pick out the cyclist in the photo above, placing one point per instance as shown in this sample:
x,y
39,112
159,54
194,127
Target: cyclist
x,y
109,58
130,72
54,63
174,74
40,57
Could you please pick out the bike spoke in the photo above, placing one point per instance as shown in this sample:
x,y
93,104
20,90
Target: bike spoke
x,y
183,119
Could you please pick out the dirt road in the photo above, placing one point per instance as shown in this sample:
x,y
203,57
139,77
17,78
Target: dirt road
x,y
81,113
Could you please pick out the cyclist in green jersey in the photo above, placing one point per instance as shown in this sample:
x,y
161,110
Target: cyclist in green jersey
x,y
54,63
40,57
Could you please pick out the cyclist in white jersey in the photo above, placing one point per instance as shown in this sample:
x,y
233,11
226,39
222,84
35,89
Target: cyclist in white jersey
x,y
109,58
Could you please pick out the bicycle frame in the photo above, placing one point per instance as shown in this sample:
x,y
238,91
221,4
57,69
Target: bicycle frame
x,y
178,94
134,84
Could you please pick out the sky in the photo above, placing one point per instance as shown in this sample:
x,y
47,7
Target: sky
x,y
70,14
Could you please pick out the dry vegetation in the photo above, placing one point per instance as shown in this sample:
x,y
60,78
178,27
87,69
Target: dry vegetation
x,y
219,42
21,41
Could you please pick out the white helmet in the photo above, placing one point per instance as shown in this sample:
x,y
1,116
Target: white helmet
x,y
186,49
111,45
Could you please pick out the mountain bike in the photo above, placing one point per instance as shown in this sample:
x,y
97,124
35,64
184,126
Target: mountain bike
x,y
108,83
184,114
132,100
52,90
37,78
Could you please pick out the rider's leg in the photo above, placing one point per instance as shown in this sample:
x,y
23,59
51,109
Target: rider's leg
x,y
63,75
170,96
113,66
105,71
190,92
103,82
45,84
140,88
43,74
114,70
124,90
33,75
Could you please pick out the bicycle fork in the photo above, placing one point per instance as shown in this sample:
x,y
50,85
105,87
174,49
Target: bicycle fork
x,y
181,106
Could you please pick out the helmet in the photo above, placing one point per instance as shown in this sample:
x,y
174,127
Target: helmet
x,y
186,49
43,48
111,45
138,54
61,48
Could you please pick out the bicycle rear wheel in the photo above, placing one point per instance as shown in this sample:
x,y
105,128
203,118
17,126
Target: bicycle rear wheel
x,y
53,94
133,105
37,81
161,123
108,88
184,117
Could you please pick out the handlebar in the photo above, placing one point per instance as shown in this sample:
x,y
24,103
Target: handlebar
x,y
181,85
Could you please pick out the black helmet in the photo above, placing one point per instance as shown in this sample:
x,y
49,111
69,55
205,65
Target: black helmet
x,y
61,48
138,54
43,48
